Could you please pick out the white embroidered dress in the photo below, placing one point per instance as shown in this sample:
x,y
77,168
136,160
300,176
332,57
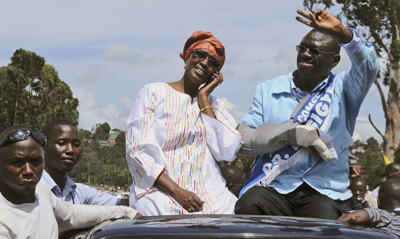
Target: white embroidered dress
x,y
166,132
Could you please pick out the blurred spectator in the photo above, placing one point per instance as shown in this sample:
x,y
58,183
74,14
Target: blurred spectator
x,y
387,216
361,196
234,177
392,171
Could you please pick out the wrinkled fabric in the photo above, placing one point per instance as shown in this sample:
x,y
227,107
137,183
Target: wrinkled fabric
x,y
274,101
383,219
167,133
78,193
42,218
204,40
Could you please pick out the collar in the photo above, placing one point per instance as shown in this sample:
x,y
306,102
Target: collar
x,y
282,85
69,186
297,91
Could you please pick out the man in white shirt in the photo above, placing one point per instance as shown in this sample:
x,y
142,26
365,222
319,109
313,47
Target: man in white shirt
x,y
28,208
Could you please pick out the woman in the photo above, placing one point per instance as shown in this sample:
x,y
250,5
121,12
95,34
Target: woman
x,y
175,133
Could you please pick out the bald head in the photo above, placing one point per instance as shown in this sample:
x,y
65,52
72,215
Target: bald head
x,y
389,194
393,170
234,178
232,174
326,40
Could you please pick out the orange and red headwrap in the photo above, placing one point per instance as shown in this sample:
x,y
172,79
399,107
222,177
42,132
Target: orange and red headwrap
x,y
204,40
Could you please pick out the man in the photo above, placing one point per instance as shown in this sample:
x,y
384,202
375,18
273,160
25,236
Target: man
x,y
358,187
28,208
234,177
63,152
387,216
392,170
304,181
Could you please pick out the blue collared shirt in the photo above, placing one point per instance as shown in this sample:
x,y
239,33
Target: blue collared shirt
x,y
274,101
78,193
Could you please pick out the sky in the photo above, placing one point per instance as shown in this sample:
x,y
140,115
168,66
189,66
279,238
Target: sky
x,y
106,51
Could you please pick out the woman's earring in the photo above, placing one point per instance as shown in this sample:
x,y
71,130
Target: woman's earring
x,y
184,67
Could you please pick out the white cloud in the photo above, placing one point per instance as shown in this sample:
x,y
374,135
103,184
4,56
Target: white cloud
x,y
91,113
106,51
127,105
235,110
122,53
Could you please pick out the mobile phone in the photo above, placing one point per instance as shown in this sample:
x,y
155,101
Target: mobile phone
x,y
212,78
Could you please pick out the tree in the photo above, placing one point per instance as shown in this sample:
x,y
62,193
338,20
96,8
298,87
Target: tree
x,y
32,93
84,134
120,140
89,165
101,131
371,161
372,145
243,162
102,164
379,22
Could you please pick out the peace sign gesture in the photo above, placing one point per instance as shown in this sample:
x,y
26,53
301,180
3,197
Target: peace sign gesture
x,y
326,23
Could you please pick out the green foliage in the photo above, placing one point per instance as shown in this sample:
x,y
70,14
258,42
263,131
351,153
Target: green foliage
x,y
32,93
101,131
313,4
120,140
397,155
378,21
242,161
372,162
84,134
372,145
101,165
395,52
356,144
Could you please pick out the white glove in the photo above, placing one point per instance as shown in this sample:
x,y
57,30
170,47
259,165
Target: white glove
x,y
308,136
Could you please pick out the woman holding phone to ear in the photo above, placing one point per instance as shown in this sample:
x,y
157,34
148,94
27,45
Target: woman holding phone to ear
x,y
176,132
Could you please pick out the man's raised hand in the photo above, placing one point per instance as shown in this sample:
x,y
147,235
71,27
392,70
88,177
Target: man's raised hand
x,y
325,22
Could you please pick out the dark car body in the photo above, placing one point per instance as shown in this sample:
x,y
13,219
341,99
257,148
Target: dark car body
x,y
231,226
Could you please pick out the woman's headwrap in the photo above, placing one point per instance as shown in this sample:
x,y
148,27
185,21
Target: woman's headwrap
x,y
204,40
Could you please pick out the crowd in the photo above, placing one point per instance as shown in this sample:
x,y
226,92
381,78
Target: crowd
x,y
299,126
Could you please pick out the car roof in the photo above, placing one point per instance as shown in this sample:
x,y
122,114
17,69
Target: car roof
x,y
232,226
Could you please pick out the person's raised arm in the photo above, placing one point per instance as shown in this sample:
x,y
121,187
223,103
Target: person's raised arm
x,y
326,23
205,91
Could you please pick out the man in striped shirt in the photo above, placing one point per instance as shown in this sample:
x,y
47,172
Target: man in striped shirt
x,y
388,214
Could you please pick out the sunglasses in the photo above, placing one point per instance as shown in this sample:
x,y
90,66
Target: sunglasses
x,y
201,56
21,135
313,51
